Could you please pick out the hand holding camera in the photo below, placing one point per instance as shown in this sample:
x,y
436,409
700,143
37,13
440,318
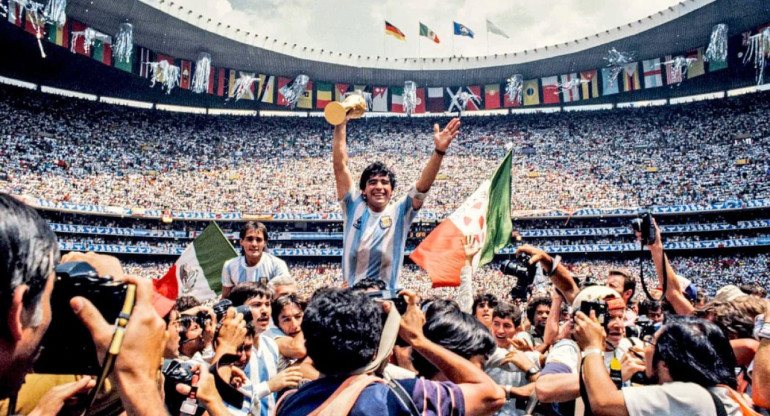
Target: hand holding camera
x,y
231,332
589,334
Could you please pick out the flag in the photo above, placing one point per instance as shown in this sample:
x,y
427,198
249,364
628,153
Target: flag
x,y
531,92
474,104
80,44
696,68
673,74
507,100
380,99
212,80
570,94
550,90
717,65
393,31
609,86
14,13
590,88
102,52
420,107
281,83
59,34
436,100
323,94
126,66
144,59
160,57
486,216
491,27
425,32
652,73
340,90
221,82
198,271
491,96
631,77
185,69
34,23
268,90
462,30
397,100
230,85
306,100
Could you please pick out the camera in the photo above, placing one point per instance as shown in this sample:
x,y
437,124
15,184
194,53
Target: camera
x,y
220,310
522,271
67,347
599,308
393,296
643,224
644,329
176,372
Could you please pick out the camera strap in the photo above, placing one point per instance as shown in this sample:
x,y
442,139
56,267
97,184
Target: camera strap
x,y
641,274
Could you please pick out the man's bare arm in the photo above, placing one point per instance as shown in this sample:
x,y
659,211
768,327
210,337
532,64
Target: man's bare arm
x,y
441,140
342,176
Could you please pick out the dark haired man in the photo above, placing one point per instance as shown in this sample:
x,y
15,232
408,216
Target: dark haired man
x,y
254,265
374,232
538,309
483,306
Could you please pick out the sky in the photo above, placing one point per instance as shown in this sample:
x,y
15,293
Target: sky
x,y
358,27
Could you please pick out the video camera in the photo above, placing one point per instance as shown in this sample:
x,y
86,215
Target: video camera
x,y
643,224
524,273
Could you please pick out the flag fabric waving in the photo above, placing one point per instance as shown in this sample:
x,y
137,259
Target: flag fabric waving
x,y
198,271
462,30
393,31
425,32
486,215
491,27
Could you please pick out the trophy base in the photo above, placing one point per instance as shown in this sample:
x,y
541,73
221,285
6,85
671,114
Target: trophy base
x,y
335,113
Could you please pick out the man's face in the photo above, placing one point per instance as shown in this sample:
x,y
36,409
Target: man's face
x,y
244,352
616,282
194,337
616,329
655,315
284,290
650,370
541,316
260,311
378,191
503,329
484,313
171,350
253,244
290,319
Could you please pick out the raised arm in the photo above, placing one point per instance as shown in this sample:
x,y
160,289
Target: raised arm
x,y
465,293
673,293
561,277
441,140
342,176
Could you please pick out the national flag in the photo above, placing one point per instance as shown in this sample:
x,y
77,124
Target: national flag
x,y
590,88
436,99
340,90
474,104
102,52
231,77
393,31
696,67
397,100
491,96
127,66
631,77
306,100
282,82
507,103
380,99
462,30
249,93
717,65
268,89
34,23
673,74
323,94
185,68
420,107
609,86
531,92
573,93
425,32
161,57
79,44
198,271
652,73
491,27
14,13
221,82
212,79
259,84
144,59
550,90
486,216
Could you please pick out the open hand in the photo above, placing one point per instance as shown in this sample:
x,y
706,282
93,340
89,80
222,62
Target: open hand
x,y
443,138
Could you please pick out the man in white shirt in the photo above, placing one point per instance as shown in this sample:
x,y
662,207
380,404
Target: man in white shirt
x,y
254,265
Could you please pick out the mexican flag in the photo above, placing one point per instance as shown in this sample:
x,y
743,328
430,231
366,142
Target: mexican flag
x,y
198,271
486,215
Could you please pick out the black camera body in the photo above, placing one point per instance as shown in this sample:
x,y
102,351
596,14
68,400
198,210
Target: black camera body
x,y
599,307
522,271
176,372
643,224
67,347
393,296
220,310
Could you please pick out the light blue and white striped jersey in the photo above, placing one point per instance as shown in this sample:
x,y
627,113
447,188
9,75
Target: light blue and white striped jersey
x,y
373,243
236,271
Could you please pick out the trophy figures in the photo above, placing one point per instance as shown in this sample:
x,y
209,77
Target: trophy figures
x,y
335,112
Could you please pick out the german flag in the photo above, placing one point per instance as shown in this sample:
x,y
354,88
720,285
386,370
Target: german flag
x,y
393,31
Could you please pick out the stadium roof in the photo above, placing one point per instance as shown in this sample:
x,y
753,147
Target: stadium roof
x,y
165,26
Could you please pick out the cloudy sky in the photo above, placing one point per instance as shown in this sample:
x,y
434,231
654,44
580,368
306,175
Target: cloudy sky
x,y
357,26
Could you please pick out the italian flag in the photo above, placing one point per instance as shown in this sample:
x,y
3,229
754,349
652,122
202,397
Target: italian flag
x,y
198,271
486,215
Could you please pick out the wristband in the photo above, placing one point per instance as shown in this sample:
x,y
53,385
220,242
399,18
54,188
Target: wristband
x,y
591,351
554,265
440,153
761,327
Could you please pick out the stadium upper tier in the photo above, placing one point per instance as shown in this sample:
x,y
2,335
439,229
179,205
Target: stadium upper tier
x,y
63,149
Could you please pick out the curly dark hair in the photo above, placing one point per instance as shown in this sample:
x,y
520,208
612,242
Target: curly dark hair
x,y
487,298
282,302
342,330
377,168
505,310
534,303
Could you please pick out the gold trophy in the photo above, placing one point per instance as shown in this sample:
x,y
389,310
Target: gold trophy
x,y
335,112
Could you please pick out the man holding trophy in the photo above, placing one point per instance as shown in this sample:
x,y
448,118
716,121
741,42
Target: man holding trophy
x,y
375,231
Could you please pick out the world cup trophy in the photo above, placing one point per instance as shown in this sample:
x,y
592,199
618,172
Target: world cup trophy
x,y
353,105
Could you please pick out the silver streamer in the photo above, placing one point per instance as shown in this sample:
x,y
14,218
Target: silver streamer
x,y
566,86
680,64
717,50
515,88
616,60
35,17
123,47
294,90
757,49
410,97
461,98
56,12
200,79
165,73
243,85
3,10
90,36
